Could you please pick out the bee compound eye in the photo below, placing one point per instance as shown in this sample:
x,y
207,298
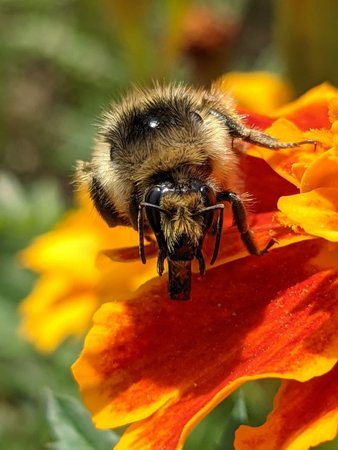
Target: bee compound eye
x,y
208,195
153,195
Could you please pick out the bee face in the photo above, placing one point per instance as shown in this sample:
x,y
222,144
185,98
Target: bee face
x,y
180,216
182,220
164,164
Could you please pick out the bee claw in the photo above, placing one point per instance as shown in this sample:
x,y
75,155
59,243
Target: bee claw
x,y
270,243
160,263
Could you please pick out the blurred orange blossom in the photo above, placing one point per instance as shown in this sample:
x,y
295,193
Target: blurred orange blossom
x,y
162,365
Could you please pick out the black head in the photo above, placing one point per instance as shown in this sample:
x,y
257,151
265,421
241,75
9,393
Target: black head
x,y
180,216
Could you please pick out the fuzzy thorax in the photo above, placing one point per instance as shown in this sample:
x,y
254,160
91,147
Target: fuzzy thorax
x,y
182,224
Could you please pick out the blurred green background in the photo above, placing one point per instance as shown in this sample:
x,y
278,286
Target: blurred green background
x,y
62,62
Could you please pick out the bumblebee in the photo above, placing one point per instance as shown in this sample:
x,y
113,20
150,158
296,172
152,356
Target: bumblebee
x,y
164,163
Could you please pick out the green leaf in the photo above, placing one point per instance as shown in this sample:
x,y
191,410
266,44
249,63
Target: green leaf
x,y
72,427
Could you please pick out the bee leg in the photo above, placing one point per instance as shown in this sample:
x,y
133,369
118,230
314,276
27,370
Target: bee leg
x,y
219,227
149,238
264,140
237,129
140,228
200,259
240,218
160,262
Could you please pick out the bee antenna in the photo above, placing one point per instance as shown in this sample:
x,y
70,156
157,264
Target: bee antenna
x,y
209,208
140,228
219,227
151,205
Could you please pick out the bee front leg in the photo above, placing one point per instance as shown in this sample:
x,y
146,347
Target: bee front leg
x,y
160,262
200,259
240,219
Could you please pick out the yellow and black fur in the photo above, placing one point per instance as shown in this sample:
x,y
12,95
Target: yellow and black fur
x,y
167,151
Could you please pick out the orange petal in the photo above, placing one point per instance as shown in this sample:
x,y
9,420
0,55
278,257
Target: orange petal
x,y
316,212
288,163
304,415
313,116
311,110
168,363
316,109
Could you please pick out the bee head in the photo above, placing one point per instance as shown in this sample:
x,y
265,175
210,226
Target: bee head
x,y
180,215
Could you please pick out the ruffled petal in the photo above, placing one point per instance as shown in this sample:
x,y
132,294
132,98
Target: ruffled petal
x,y
312,169
288,163
304,416
263,184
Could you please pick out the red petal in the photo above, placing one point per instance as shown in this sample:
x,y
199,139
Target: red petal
x,y
263,184
314,115
169,363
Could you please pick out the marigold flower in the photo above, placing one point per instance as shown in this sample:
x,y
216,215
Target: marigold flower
x,y
161,366
315,208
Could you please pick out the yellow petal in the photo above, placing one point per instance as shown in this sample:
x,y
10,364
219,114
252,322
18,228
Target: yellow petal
x,y
316,212
323,172
56,308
